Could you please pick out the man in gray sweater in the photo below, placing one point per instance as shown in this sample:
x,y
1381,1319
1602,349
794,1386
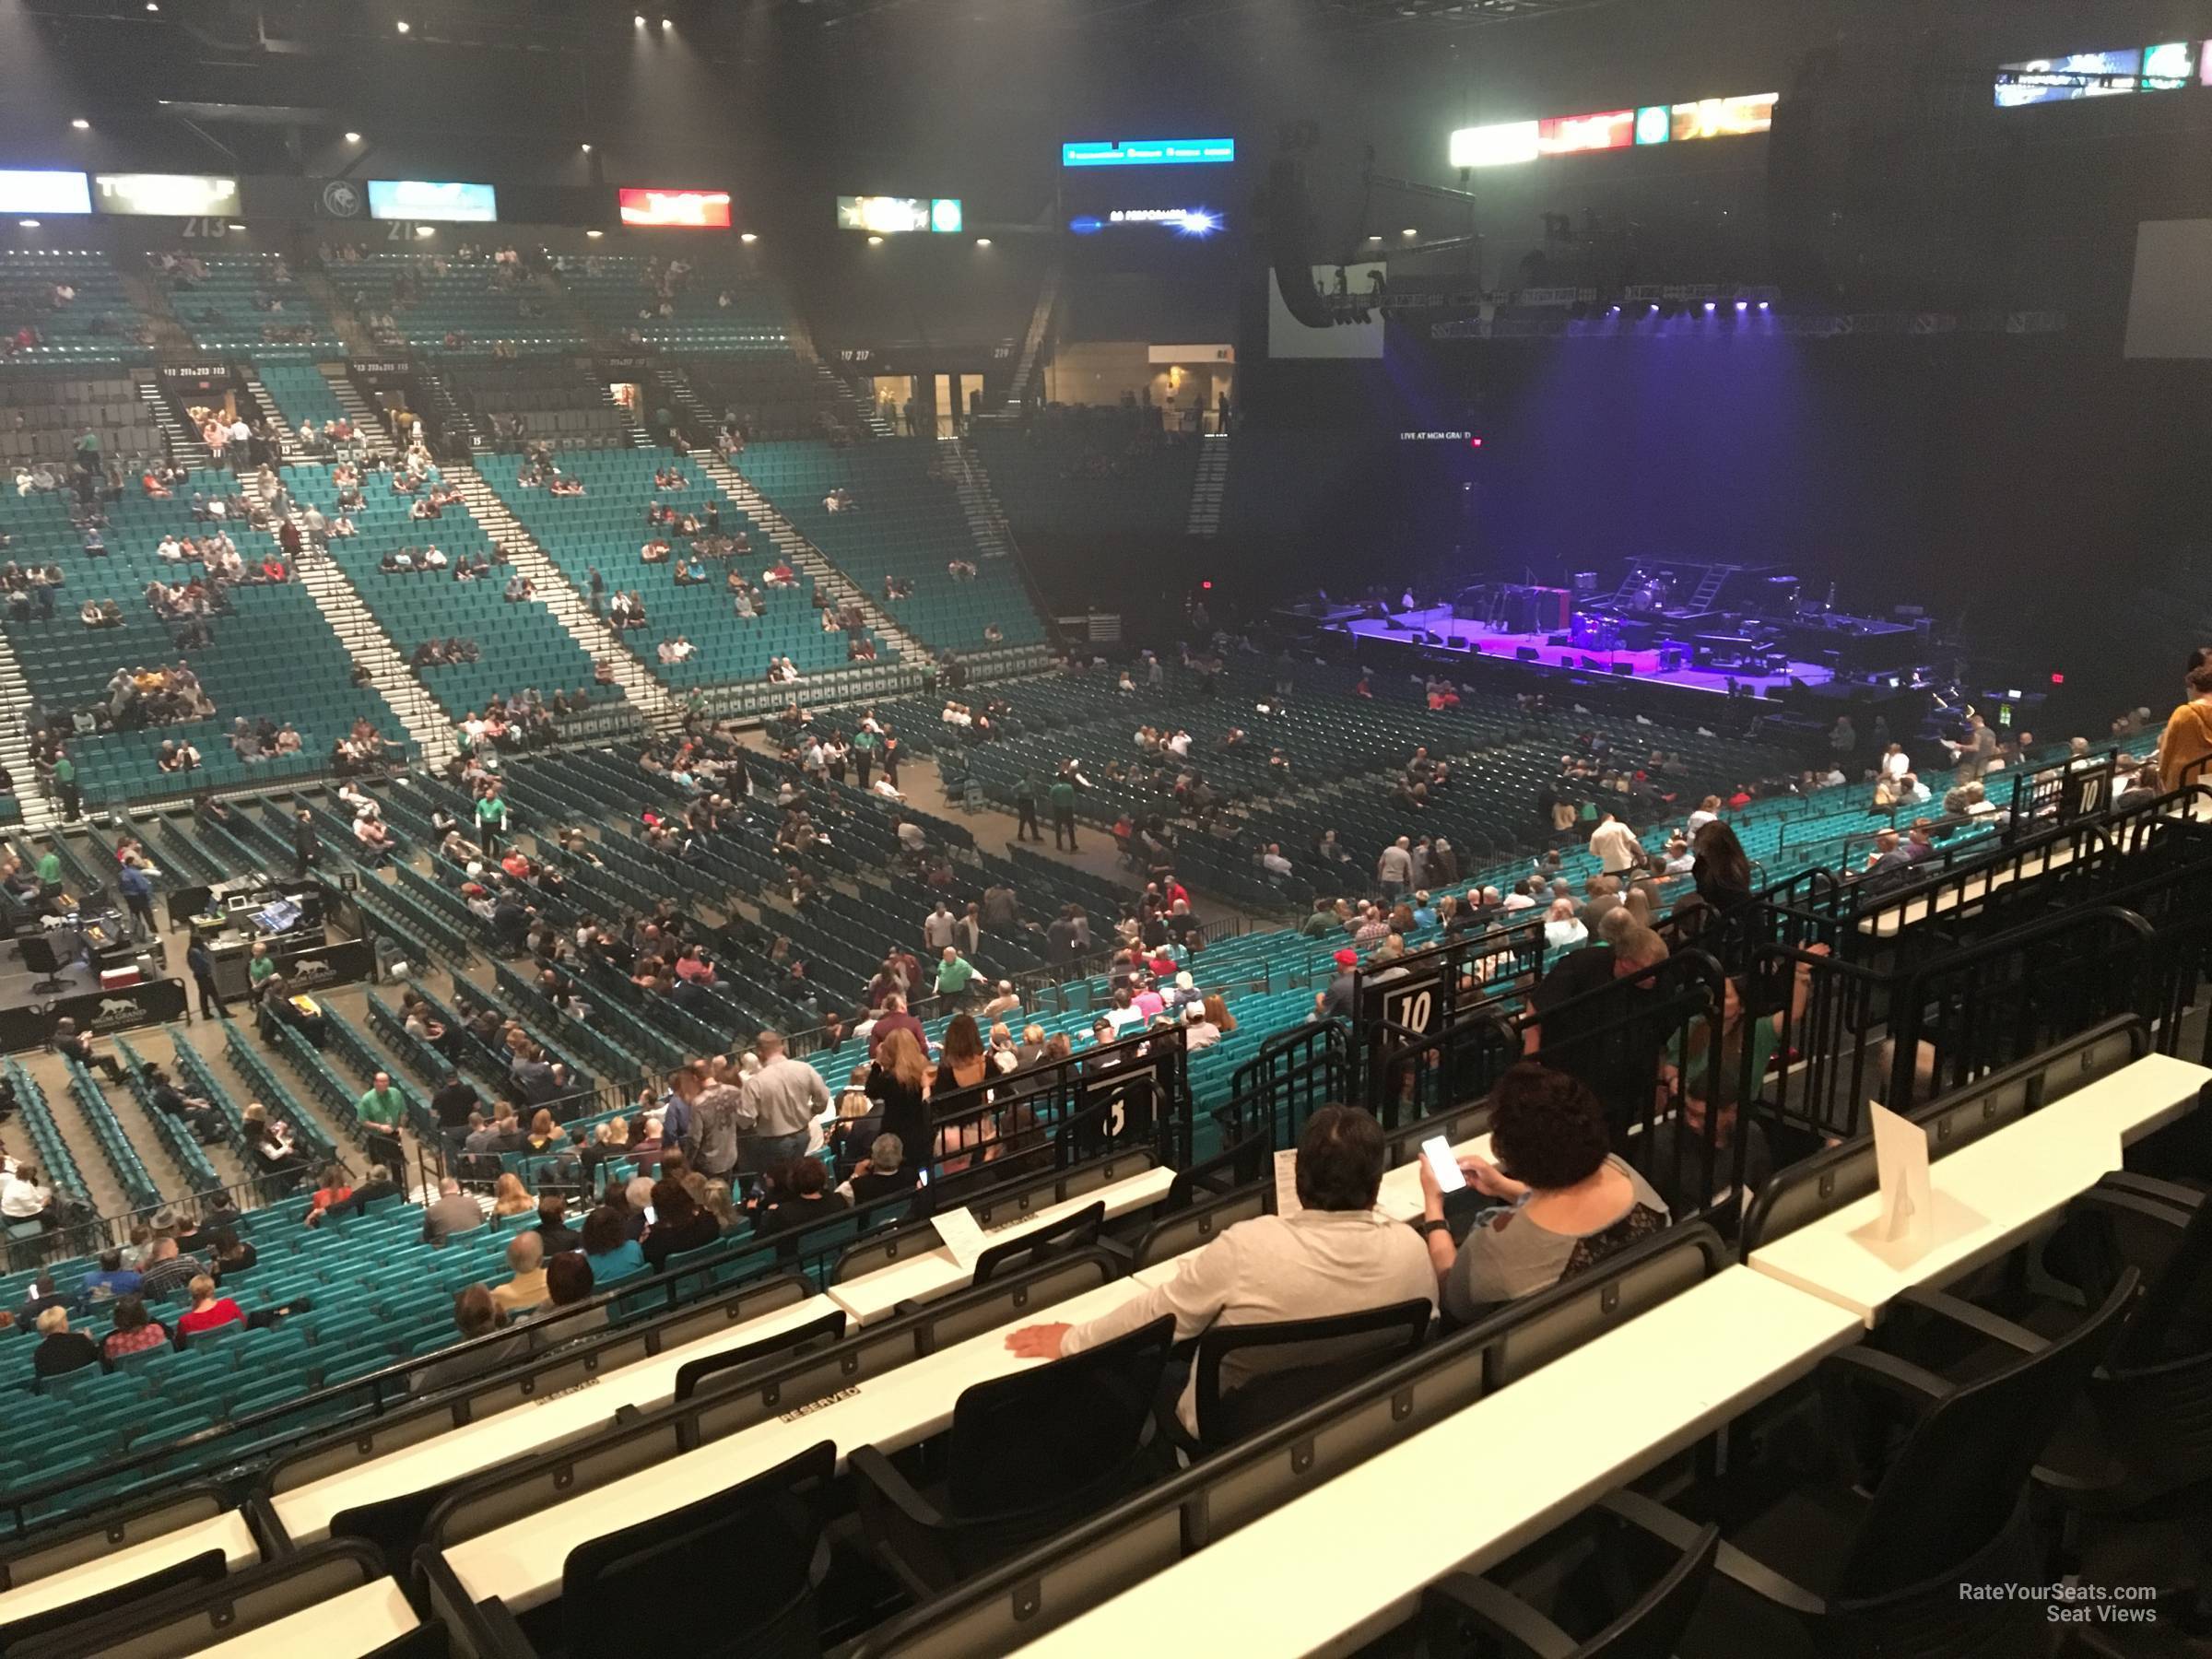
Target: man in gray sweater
x,y
782,1098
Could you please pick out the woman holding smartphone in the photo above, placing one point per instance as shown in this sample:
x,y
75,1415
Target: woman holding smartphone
x,y
1573,1203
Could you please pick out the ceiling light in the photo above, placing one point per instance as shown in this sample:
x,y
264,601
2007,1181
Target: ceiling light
x,y
595,235
1409,230
81,123
28,223
982,241
425,230
875,241
585,148
748,237
353,137
639,19
403,26
153,6
666,24
1376,237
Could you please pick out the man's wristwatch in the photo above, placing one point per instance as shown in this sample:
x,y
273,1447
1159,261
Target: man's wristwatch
x,y
1429,1224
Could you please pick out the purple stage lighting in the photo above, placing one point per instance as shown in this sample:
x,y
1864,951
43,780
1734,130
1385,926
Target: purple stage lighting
x,y
1766,305
1743,305
1710,307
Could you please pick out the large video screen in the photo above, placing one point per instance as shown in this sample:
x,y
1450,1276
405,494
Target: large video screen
x,y
433,200
688,209
1148,152
44,192
166,195
1513,143
898,216
1568,135
1352,295
2062,79
2169,67
1724,117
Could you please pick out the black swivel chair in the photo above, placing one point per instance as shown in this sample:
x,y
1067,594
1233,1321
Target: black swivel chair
x,y
1464,1614
1870,1562
675,1571
1286,1367
39,957
1029,1455
1062,1238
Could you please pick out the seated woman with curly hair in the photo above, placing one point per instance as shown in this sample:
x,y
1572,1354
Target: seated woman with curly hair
x,y
1566,1202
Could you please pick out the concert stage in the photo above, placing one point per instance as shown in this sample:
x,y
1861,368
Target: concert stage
x,y
1460,633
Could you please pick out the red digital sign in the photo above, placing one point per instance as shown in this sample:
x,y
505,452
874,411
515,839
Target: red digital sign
x,y
686,209
1568,135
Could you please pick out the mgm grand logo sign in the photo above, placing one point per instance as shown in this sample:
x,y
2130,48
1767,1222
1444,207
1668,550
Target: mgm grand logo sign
x,y
115,1011
317,971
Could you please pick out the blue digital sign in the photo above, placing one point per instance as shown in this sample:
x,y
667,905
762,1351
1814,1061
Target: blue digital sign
x,y
432,199
1148,152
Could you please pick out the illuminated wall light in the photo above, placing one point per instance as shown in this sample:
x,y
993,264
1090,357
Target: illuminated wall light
x,y
639,19
875,241
666,24
81,123
982,241
748,237
425,230
28,223
1409,230
353,137
404,26
595,235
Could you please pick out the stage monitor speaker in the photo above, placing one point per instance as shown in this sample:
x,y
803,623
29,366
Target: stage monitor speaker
x,y
1624,667
1528,653
1288,214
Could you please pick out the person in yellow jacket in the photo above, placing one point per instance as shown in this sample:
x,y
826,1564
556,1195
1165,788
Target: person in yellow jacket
x,y
2185,751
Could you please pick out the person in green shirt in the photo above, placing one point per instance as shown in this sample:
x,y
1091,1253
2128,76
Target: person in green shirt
x,y
64,784
49,871
491,818
1322,923
259,965
954,972
380,1110
1064,813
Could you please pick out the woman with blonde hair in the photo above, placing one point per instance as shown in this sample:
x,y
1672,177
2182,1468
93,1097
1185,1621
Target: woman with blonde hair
x,y
509,1197
898,1083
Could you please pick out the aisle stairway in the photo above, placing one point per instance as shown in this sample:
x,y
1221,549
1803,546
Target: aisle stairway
x,y
184,445
287,439
556,592
15,745
972,485
371,430
1032,344
152,300
804,555
358,339
371,647
1207,488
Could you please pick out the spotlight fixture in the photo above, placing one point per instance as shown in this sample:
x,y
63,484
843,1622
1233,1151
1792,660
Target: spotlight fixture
x,y
982,241
595,235
1613,310
1710,307
1376,237
748,236
638,18
81,123
353,137
1766,305
1409,230
153,6
1743,305
875,241
666,24
585,148
425,230
404,26
28,223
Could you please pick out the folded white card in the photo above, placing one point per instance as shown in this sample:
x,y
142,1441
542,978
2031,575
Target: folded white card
x,y
958,1231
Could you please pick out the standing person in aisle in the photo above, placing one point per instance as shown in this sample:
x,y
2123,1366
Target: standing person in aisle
x,y
491,818
1025,807
381,1110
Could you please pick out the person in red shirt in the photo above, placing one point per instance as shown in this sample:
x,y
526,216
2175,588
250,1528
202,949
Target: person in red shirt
x,y
207,1310
690,965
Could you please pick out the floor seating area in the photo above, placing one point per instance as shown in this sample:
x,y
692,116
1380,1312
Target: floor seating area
x,y
620,294
603,530
905,523
522,645
273,653
55,406
251,305
96,328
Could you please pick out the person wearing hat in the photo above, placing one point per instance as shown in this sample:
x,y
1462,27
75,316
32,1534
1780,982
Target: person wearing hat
x,y
1336,1001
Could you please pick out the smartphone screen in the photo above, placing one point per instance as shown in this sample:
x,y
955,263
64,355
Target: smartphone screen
x,y
1442,1164
650,1218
